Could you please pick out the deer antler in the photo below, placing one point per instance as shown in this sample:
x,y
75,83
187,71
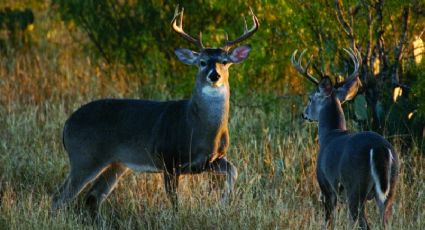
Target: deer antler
x,y
247,33
298,66
179,29
356,58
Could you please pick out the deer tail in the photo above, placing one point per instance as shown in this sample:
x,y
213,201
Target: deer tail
x,y
380,167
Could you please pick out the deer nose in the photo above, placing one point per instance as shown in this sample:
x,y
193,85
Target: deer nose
x,y
305,117
214,76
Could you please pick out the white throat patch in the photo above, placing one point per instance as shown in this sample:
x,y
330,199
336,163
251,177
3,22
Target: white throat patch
x,y
211,91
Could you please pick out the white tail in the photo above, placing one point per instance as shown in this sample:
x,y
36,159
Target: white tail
x,y
382,195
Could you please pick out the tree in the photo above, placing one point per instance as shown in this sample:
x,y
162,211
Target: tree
x,y
380,31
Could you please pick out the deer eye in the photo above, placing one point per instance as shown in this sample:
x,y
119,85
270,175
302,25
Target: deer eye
x,y
203,63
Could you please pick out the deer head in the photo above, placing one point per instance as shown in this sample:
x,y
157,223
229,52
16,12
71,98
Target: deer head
x,y
213,63
325,89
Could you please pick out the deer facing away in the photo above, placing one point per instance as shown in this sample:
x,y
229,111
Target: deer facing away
x,y
363,165
106,138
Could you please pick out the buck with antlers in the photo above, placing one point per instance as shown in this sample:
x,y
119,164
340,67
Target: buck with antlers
x,y
363,165
107,137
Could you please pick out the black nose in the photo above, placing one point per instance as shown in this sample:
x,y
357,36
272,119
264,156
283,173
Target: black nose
x,y
305,117
214,76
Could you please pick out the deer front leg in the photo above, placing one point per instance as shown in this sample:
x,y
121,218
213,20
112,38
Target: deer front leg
x,y
222,145
222,166
329,201
171,181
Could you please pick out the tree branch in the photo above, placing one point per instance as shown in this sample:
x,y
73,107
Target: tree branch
x,y
380,42
343,21
398,51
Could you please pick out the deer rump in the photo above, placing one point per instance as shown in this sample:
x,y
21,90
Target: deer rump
x,y
148,136
348,164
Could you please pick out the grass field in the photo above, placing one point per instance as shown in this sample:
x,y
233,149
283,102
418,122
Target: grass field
x,y
274,151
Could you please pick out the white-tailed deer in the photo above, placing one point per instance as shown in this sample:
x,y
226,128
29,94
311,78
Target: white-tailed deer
x,y
363,165
107,137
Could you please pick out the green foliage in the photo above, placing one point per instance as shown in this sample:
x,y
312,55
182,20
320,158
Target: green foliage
x,y
360,108
416,74
138,34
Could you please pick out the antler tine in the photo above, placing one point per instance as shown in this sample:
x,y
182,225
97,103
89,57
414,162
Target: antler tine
x,y
201,46
179,29
246,25
247,33
298,66
355,57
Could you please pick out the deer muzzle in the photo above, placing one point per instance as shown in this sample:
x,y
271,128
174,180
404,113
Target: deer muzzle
x,y
213,76
305,117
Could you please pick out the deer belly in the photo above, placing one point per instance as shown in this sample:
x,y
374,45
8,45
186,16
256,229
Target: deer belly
x,y
148,168
196,165
137,158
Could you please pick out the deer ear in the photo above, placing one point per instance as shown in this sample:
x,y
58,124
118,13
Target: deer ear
x,y
325,86
348,90
239,53
187,56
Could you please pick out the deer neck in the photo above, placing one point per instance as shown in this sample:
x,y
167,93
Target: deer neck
x,y
210,105
331,118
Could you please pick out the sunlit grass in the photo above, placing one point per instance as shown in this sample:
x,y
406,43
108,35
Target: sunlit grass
x,y
276,187
274,151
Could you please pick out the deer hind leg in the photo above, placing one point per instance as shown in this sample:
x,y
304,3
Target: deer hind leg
x,y
104,185
171,180
387,212
356,205
385,208
78,178
330,201
223,166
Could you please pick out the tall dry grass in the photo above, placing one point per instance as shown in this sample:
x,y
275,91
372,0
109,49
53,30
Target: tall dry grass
x,y
41,84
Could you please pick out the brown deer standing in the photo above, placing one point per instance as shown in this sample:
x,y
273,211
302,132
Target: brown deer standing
x,y
105,138
362,164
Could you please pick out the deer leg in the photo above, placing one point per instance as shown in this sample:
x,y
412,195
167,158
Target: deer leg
x,y
387,211
171,180
78,178
385,208
223,166
356,204
56,196
104,185
329,201
381,206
